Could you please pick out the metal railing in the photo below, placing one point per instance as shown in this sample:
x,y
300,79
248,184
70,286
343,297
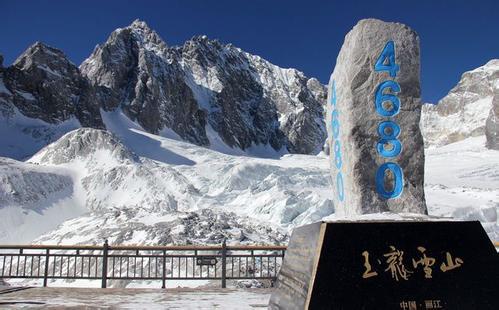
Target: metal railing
x,y
140,262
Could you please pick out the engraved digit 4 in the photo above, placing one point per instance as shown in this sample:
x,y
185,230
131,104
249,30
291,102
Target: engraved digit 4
x,y
386,60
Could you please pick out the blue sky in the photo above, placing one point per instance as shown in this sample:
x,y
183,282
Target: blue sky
x,y
456,36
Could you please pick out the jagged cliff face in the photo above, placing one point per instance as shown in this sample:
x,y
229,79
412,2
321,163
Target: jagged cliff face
x,y
43,84
133,72
464,111
205,85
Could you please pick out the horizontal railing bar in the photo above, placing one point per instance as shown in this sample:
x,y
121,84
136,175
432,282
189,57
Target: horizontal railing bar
x,y
146,247
51,255
246,278
167,278
153,247
51,247
161,255
253,256
51,277
257,247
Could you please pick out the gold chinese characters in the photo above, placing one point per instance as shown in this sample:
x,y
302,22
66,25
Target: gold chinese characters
x,y
397,269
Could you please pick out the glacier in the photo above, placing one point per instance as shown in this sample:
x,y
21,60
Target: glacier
x,y
133,187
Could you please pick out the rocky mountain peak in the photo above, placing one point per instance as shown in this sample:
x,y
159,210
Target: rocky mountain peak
x,y
464,111
46,85
40,56
82,144
146,36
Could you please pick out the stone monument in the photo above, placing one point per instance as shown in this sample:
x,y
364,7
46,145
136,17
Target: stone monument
x,y
408,261
374,107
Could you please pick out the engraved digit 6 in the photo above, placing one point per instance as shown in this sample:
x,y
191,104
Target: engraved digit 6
x,y
389,132
382,97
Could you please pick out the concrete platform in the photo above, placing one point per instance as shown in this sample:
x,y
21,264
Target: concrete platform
x,y
130,298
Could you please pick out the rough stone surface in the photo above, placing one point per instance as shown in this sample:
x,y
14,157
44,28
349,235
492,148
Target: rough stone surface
x,y
492,125
356,83
464,111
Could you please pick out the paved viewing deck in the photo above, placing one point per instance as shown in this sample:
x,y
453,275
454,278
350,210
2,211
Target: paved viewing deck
x,y
129,298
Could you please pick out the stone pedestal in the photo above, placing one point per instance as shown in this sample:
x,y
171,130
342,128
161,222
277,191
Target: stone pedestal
x,y
389,265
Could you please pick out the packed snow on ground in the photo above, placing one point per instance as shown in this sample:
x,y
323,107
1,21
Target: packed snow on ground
x,y
141,298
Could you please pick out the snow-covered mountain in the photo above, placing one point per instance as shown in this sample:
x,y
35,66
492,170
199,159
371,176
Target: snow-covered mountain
x,y
464,111
206,87
204,92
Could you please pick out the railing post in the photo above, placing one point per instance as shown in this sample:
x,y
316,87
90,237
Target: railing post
x,y
105,249
224,260
46,273
164,269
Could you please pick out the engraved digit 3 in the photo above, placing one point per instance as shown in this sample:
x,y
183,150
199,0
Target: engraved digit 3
x,y
389,132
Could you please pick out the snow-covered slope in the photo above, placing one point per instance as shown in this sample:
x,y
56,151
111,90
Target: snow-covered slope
x,y
34,199
463,112
140,188
462,181
160,190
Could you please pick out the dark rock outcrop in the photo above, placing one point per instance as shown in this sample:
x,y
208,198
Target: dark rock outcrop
x,y
45,85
